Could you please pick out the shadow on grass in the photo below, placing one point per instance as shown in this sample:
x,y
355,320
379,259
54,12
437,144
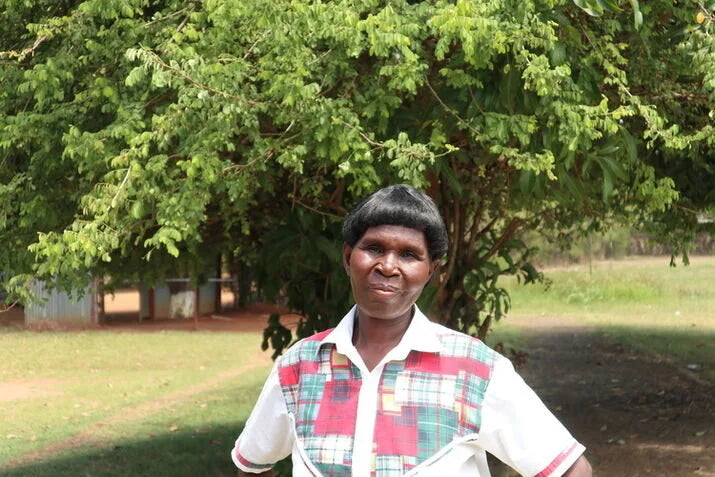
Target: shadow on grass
x,y
685,346
189,453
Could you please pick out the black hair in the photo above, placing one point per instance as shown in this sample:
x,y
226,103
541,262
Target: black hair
x,y
398,204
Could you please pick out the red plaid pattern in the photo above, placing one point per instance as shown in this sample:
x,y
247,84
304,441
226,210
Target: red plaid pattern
x,y
439,402
338,409
424,402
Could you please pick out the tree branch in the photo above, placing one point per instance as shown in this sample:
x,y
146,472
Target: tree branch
x,y
182,24
250,48
266,155
450,110
156,99
312,209
4,308
453,252
197,83
171,15
26,52
121,186
508,233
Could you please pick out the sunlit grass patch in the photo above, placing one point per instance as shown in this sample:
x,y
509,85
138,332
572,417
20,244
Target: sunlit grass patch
x,y
105,389
645,303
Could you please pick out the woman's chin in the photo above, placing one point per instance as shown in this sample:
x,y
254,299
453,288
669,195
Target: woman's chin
x,y
381,310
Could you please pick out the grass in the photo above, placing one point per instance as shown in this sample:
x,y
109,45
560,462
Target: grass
x,y
141,404
642,302
507,334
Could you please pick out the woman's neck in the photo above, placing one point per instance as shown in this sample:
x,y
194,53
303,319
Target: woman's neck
x,y
374,337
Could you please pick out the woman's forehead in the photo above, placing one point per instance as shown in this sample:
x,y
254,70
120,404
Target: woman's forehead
x,y
397,233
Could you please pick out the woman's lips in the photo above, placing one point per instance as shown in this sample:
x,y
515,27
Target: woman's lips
x,y
383,290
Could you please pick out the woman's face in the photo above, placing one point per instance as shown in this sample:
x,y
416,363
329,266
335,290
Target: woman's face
x,y
388,268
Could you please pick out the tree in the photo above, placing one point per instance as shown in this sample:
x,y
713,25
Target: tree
x,y
140,138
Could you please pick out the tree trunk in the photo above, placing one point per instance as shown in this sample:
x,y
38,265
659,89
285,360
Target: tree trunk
x,y
219,285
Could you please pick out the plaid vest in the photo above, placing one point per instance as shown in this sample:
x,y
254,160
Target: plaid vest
x,y
424,402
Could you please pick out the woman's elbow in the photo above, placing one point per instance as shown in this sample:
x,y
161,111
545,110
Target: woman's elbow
x,y
580,468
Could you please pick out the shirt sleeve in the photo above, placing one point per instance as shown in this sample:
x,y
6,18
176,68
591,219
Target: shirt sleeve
x,y
268,434
518,429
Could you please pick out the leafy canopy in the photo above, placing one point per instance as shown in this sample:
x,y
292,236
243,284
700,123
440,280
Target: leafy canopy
x,y
141,139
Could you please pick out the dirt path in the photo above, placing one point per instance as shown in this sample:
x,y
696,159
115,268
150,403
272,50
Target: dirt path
x,y
92,435
637,415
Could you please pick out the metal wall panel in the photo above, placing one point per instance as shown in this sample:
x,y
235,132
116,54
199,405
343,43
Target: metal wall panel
x,y
58,306
207,298
162,300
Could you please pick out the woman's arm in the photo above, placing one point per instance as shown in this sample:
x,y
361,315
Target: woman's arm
x,y
260,446
580,468
268,473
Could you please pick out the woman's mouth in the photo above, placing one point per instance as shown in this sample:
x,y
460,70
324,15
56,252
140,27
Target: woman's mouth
x,y
383,290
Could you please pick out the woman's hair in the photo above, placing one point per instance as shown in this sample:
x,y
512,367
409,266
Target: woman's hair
x,y
398,204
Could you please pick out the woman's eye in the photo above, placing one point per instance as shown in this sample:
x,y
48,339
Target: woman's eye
x,y
409,254
373,249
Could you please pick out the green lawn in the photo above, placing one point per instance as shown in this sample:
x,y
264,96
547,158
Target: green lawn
x,y
110,403
141,404
641,302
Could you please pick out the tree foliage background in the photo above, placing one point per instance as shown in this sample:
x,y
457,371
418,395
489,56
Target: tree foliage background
x,y
141,138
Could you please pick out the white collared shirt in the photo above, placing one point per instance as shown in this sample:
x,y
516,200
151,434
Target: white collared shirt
x,y
513,423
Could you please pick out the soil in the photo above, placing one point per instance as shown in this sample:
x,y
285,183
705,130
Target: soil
x,y
638,415
28,388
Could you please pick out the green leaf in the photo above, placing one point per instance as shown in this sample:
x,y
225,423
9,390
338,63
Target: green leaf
x,y
607,189
637,15
630,143
138,210
637,20
592,7
527,181
171,248
610,5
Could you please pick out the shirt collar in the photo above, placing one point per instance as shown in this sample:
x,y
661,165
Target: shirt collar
x,y
420,336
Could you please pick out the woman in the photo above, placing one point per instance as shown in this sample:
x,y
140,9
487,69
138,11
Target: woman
x,y
387,392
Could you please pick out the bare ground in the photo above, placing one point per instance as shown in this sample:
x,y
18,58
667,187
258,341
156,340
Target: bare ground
x,y
637,415
28,388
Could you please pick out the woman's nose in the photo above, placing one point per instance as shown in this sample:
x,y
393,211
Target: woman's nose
x,y
388,264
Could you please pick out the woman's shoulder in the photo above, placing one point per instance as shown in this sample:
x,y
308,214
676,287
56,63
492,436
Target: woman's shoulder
x,y
304,349
456,343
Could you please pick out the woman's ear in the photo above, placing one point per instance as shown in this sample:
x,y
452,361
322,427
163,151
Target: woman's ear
x,y
433,268
347,251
